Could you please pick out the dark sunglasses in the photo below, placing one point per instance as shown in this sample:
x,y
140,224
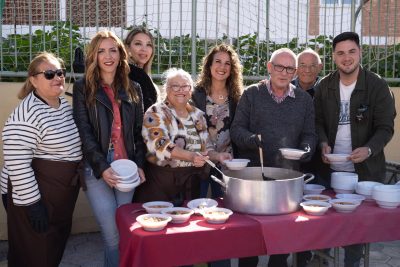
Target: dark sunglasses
x,y
49,74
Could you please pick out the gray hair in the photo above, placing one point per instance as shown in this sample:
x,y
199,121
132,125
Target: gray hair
x,y
311,52
281,51
172,73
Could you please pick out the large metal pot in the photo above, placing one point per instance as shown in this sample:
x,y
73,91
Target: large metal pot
x,y
247,192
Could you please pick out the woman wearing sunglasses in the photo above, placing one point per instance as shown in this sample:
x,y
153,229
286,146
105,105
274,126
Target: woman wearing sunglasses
x,y
177,141
108,111
42,151
140,46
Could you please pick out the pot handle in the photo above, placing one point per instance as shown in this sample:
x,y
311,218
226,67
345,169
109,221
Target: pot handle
x,y
218,181
308,175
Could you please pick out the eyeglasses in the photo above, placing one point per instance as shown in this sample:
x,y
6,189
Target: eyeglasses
x,y
49,74
312,68
177,88
280,68
361,112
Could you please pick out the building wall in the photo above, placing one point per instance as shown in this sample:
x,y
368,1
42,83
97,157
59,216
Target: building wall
x,y
83,218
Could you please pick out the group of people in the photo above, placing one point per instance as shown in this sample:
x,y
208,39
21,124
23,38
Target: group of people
x,y
50,148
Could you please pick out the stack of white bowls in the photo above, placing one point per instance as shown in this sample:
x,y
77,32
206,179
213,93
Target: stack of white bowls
x,y
365,189
386,196
127,174
344,182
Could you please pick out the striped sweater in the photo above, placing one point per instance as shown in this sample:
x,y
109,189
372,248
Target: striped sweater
x,y
36,130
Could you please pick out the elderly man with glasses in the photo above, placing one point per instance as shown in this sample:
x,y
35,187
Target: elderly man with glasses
x,y
284,117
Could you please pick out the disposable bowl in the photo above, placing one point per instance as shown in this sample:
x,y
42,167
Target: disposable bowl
x,y
216,215
236,164
314,207
156,206
313,189
316,197
178,214
125,168
345,205
292,153
153,222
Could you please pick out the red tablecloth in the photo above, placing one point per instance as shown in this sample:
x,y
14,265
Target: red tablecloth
x,y
182,244
247,235
298,231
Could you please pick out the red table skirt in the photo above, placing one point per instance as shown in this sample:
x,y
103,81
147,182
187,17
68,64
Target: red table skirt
x,y
247,235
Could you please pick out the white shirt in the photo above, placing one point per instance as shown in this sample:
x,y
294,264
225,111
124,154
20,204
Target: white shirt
x,y
343,135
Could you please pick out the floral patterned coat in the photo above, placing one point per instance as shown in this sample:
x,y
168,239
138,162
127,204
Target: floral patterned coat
x,y
162,130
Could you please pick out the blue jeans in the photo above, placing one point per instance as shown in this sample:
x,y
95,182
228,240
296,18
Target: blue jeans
x,y
105,201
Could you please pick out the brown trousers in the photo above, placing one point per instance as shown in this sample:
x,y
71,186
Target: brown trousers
x,y
165,183
59,189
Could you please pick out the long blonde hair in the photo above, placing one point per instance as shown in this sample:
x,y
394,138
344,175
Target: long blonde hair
x,y
128,40
92,70
234,83
28,87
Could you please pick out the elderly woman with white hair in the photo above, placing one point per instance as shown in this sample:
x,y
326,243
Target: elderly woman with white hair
x,y
176,136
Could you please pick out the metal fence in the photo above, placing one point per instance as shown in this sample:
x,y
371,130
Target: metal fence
x,y
185,30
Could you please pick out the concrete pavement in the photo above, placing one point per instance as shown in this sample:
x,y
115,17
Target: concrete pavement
x,y
85,250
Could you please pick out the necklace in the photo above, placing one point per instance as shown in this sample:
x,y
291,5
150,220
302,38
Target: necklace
x,y
221,97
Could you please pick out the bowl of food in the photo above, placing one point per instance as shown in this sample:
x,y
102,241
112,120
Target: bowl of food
x,y
292,153
351,196
313,189
216,215
345,205
315,207
236,164
316,197
337,157
156,206
127,170
153,222
178,214
365,188
201,203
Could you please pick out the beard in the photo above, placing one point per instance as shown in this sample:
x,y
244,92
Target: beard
x,y
349,71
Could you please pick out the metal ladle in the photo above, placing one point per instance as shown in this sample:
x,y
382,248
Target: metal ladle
x,y
265,178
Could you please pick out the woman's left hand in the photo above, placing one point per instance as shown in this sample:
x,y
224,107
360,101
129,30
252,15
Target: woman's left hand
x,y
141,175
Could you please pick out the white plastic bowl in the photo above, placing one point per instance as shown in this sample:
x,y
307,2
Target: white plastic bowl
x,y
236,164
156,206
388,193
316,208
127,187
316,197
201,203
291,153
387,204
345,205
351,197
365,188
216,215
344,181
148,223
313,189
126,169
337,157
343,191
178,214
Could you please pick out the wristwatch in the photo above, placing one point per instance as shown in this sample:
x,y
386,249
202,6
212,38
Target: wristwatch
x,y
369,152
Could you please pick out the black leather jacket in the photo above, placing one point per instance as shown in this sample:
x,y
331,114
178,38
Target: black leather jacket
x,y
94,125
